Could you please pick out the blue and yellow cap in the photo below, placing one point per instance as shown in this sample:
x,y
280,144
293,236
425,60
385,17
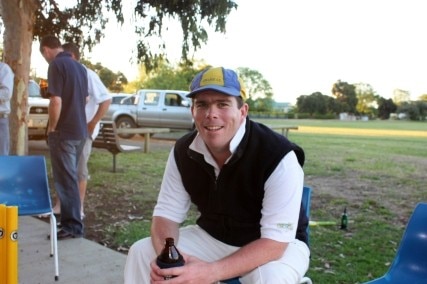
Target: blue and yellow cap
x,y
219,79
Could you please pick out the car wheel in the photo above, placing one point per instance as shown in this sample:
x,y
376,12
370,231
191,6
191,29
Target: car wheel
x,y
125,122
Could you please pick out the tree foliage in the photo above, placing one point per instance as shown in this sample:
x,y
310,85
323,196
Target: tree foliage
x,y
168,77
366,100
385,108
258,90
113,81
255,83
84,22
345,94
316,103
416,110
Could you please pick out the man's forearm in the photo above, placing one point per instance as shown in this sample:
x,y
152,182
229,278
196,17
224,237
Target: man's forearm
x,y
55,105
101,111
161,229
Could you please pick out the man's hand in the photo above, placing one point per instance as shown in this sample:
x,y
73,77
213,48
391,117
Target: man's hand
x,y
91,127
194,271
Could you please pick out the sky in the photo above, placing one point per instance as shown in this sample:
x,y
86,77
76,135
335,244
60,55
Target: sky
x,y
302,46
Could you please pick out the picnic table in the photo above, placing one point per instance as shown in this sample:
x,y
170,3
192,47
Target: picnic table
x,y
284,128
147,132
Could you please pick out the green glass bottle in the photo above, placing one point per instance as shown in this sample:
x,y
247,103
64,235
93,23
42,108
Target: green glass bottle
x,y
344,219
170,257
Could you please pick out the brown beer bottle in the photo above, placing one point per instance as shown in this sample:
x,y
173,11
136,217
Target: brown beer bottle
x,y
170,257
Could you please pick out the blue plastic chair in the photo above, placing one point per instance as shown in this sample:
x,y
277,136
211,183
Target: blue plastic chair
x,y
410,263
306,202
23,183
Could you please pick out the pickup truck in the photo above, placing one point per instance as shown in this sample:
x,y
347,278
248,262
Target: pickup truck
x,y
152,108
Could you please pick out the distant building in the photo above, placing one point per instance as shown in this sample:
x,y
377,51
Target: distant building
x,y
347,116
282,107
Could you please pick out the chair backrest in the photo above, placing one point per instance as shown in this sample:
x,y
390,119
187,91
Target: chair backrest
x,y
23,183
306,203
410,262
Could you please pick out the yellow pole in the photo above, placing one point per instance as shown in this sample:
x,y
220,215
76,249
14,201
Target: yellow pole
x,y
12,244
3,262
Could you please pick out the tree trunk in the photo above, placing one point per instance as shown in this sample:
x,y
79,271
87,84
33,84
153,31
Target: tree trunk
x,y
18,18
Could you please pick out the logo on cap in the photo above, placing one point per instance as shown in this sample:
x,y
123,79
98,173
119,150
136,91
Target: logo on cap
x,y
213,76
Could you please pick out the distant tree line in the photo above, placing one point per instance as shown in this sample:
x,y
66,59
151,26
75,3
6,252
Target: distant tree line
x,y
360,100
356,99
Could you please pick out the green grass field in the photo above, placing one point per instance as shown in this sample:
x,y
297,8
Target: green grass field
x,y
378,178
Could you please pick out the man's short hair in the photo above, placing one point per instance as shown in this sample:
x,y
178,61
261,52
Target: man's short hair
x,y
73,49
49,41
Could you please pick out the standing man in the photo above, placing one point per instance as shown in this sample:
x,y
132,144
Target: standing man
x,y
97,106
67,130
6,91
246,181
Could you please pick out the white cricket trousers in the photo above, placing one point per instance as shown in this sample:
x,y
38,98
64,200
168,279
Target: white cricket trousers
x,y
195,241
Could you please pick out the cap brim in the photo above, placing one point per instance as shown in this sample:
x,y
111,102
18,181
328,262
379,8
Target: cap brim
x,y
225,90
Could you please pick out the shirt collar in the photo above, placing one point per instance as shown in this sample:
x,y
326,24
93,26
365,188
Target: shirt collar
x,y
199,145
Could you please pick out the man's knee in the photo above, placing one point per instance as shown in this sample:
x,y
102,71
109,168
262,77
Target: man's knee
x,y
272,272
289,269
142,251
141,245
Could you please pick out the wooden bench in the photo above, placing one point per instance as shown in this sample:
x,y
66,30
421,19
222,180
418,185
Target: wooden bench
x,y
284,129
108,138
147,132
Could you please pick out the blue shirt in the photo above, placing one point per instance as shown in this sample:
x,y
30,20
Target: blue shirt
x,y
67,79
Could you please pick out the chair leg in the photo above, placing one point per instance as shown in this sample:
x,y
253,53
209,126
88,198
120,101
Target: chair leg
x,y
52,231
54,244
114,163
